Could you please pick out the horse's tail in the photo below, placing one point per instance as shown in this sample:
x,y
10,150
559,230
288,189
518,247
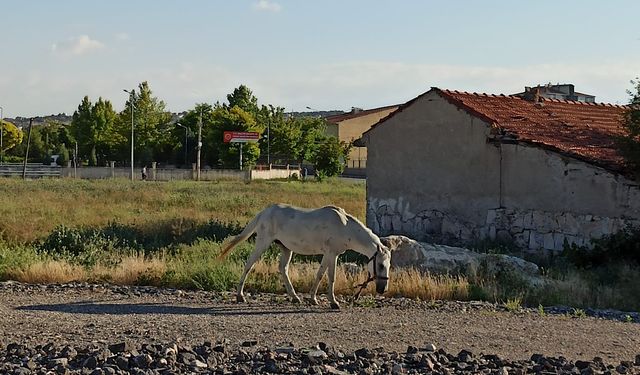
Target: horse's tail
x,y
243,236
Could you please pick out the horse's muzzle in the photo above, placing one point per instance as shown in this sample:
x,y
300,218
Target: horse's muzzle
x,y
381,285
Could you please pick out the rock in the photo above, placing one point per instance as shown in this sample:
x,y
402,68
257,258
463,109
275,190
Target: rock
x,y
198,364
69,352
58,362
91,362
440,259
249,343
122,363
143,361
365,353
429,347
120,347
151,360
465,356
317,354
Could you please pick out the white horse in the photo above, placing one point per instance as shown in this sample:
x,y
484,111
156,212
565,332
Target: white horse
x,y
328,231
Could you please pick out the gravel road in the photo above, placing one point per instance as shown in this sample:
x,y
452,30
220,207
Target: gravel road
x,y
81,314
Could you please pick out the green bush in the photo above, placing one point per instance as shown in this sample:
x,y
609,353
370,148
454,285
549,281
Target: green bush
x,y
14,257
620,247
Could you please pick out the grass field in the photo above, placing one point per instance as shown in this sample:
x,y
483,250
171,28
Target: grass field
x,y
170,233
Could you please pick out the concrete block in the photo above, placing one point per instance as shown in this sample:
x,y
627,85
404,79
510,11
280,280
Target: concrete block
x,y
491,217
548,241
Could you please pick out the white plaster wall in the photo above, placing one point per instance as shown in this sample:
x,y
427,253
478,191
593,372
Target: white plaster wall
x,y
429,169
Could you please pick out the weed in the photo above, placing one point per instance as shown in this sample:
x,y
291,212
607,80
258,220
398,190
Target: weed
x,y
513,305
628,318
579,313
541,311
366,301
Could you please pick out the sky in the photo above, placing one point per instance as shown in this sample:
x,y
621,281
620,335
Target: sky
x,y
300,54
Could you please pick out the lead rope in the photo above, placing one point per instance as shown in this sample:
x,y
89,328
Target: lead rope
x,y
364,284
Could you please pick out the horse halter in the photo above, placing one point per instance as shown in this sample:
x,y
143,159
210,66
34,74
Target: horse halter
x,y
371,278
375,270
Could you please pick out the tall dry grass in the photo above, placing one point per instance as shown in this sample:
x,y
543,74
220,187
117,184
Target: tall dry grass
x,y
265,277
131,270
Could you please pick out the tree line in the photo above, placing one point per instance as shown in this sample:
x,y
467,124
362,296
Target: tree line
x,y
101,135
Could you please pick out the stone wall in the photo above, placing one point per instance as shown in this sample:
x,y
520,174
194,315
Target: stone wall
x,y
550,230
530,229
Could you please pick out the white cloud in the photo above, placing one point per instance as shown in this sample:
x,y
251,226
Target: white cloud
x,y
76,46
266,6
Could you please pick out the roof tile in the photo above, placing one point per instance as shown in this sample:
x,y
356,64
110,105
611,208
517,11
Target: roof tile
x,y
583,130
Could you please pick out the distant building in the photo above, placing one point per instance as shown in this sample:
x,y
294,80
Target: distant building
x,y
349,127
565,91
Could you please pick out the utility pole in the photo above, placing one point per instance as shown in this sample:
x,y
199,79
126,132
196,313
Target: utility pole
x,y
199,145
26,154
1,133
131,96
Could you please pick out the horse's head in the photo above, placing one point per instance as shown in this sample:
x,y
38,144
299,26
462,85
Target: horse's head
x,y
379,265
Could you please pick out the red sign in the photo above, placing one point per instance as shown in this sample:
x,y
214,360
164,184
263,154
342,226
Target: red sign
x,y
240,137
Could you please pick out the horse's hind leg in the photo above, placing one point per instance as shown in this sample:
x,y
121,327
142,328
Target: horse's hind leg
x,y
314,288
285,258
332,263
262,244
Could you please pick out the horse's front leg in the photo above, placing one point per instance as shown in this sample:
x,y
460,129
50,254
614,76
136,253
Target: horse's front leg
x,y
262,245
314,288
285,258
332,263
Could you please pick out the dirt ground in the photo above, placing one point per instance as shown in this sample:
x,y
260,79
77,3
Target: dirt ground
x,y
82,315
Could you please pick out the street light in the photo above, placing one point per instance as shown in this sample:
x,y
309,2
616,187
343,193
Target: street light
x,y
186,140
131,95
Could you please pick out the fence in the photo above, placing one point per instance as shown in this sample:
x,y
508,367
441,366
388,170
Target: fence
x,y
169,174
32,170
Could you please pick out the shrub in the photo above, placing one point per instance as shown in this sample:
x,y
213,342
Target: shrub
x,y
622,246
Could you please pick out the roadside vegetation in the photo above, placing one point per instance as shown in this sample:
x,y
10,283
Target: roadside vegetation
x,y
169,234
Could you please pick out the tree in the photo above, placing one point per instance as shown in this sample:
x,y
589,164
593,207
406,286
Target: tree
x,y
313,133
83,129
243,98
151,122
103,116
37,149
330,157
190,121
629,144
296,139
63,154
11,135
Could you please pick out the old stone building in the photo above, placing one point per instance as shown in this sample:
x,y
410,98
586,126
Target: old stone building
x,y
455,167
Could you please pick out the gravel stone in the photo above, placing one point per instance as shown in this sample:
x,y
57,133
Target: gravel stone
x,y
82,328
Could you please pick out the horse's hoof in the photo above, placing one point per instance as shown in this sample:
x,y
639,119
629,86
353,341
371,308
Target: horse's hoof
x,y
240,299
313,301
296,300
335,306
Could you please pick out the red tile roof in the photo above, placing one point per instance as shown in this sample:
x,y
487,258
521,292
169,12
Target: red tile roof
x,y
585,131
